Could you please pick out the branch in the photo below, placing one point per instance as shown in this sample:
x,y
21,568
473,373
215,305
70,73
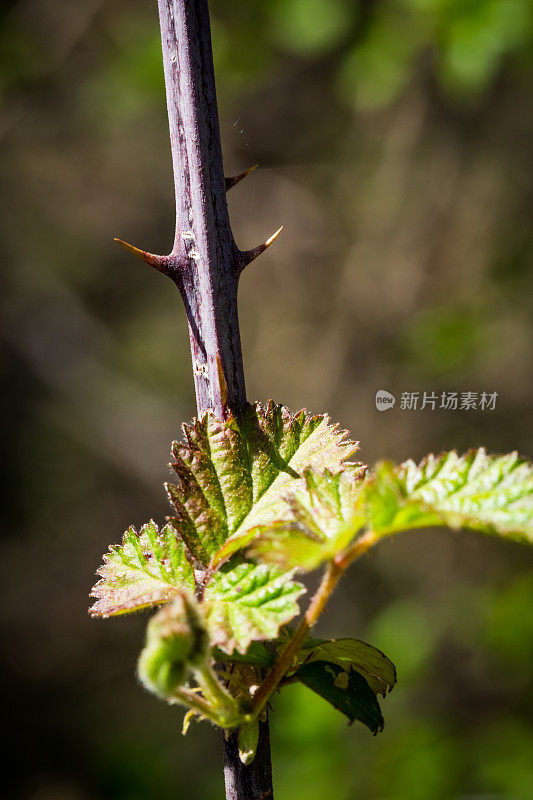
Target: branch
x,y
203,236
205,264
333,573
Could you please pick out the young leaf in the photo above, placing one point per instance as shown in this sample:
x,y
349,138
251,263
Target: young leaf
x,y
477,491
235,474
378,670
325,516
258,653
249,602
347,691
148,568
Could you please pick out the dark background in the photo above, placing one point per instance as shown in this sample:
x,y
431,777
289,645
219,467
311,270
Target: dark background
x,y
395,144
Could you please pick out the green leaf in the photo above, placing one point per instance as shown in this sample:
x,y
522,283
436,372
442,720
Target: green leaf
x,y
289,545
477,491
235,474
347,691
378,670
148,568
325,512
258,653
248,602
325,515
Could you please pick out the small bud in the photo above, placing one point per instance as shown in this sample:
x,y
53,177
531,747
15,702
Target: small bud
x,y
176,641
248,739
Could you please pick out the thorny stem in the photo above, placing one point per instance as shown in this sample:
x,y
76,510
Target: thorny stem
x,y
205,264
204,256
333,573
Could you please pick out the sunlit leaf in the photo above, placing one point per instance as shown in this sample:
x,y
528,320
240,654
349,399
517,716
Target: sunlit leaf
x,y
249,602
325,512
247,470
233,475
146,569
478,491
324,517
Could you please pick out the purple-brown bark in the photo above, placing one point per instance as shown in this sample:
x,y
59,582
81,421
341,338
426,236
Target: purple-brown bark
x,y
205,263
205,258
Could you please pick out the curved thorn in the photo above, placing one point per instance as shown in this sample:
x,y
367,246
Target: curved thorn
x,y
230,182
249,255
159,262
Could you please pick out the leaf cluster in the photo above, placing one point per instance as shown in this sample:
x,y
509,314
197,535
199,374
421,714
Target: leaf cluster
x,y
233,477
259,498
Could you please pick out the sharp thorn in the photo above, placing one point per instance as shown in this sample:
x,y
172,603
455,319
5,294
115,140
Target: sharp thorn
x,y
249,255
270,239
159,262
230,182
222,382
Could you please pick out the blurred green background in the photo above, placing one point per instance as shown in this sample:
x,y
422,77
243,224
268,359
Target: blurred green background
x,y
395,145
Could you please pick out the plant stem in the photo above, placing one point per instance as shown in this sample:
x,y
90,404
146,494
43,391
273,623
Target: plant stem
x,y
333,573
205,258
225,705
196,703
205,264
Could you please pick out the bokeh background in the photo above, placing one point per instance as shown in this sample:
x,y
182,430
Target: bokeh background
x,y
395,144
